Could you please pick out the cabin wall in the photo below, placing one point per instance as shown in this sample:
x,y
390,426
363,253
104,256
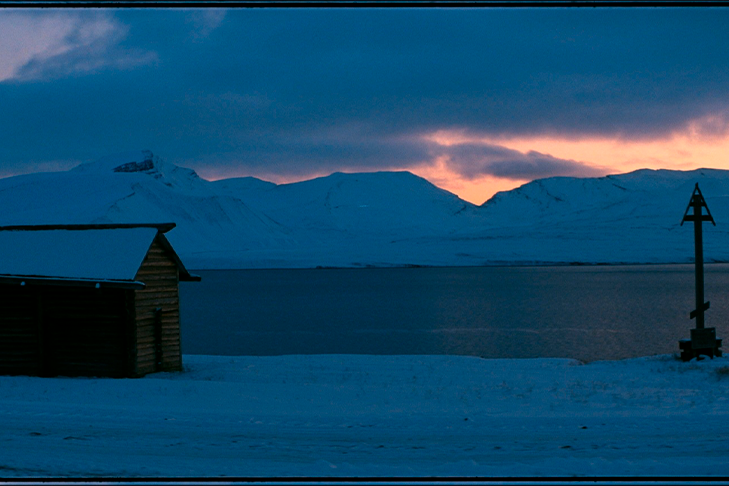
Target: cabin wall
x,y
158,338
84,331
60,330
20,352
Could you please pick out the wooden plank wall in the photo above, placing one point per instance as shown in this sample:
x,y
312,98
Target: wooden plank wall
x,y
84,332
19,331
53,330
161,276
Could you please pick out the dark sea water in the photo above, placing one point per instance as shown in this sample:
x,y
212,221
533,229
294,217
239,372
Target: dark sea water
x,y
584,312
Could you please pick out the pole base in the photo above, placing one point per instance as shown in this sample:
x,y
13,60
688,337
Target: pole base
x,y
689,351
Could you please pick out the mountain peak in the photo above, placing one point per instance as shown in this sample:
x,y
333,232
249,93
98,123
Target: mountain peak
x,y
142,162
134,161
146,165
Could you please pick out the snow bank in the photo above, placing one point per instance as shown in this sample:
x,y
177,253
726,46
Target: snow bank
x,y
354,415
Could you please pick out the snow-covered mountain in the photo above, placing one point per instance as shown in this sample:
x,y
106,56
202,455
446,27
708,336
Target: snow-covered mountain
x,y
632,217
380,204
379,219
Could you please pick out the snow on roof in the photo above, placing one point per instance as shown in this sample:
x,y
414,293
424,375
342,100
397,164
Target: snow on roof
x,y
96,254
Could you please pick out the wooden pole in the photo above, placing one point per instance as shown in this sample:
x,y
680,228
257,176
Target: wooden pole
x,y
697,202
699,261
703,340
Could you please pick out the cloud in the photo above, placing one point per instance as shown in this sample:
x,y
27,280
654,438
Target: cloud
x,y
312,90
713,125
315,154
351,148
637,75
474,160
37,45
205,21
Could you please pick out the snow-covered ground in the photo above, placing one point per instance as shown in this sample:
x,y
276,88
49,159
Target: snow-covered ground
x,y
354,415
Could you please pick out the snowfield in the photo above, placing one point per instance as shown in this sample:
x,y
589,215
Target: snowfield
x,y
354,415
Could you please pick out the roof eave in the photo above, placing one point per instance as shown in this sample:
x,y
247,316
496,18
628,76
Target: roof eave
x,y
71,282
185,276
161,227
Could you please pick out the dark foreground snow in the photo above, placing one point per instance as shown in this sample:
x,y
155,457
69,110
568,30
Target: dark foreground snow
x,y
374,416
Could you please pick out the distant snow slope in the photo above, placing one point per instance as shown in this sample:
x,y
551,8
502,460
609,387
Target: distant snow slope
x,y
380,204
379,219
632,217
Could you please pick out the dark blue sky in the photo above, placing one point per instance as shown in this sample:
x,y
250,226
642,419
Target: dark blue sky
x,y
295,92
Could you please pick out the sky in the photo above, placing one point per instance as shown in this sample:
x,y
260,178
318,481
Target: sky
x,y
476,100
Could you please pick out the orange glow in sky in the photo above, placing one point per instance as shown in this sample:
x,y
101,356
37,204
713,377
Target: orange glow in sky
x,y
682,151
476,191
687,150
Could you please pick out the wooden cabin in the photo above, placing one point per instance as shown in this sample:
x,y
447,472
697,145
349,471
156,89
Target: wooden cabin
x,y
89,300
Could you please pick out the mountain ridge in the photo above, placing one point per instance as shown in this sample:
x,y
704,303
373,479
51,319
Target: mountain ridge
x,y
378,218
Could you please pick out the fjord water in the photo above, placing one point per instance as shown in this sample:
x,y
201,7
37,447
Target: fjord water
x,y
583,312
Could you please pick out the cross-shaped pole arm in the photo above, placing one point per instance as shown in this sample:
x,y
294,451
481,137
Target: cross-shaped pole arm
x,y
697,201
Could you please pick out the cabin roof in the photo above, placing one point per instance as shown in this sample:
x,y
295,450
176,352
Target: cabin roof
x,y
108,255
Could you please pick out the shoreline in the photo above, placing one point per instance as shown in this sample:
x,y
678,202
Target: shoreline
x,y
495,265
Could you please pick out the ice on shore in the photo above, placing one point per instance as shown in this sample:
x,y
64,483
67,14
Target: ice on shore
x,y
358,415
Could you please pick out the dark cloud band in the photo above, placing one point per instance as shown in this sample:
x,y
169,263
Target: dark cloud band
x,y
311,90
470,161
475,160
